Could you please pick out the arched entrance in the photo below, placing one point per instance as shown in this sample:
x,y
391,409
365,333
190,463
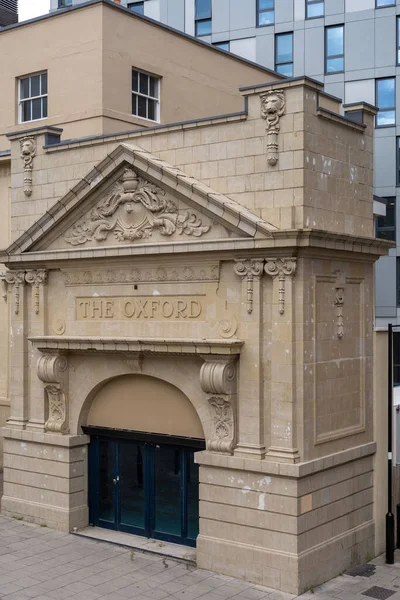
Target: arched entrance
x,y
142,475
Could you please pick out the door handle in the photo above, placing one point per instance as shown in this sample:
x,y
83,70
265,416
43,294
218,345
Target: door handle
x,y
116,480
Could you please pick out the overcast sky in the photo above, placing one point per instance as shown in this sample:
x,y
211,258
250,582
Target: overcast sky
x,y
28,9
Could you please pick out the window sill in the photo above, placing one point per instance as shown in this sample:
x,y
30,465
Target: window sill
x,y
146,119
333,73
32,121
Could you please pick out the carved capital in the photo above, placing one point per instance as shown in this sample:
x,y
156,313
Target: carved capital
x,y
218,375
14,280
50,369
28,152
248,269
281,268
36,278
223,425
273,105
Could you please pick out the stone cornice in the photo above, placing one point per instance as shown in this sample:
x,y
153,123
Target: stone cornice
x,y
176,346
298,470
305,241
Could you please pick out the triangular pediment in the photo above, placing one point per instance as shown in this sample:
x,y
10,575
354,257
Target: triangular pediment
x,y
132,197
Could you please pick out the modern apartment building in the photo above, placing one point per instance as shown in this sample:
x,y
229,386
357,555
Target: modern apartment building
x,y
353,46
8,12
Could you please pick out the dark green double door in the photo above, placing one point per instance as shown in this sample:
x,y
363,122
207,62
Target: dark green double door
x,y
144,486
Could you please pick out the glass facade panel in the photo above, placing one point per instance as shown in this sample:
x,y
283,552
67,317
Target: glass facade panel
x,y
132,484
334,49
386,102
204,27
167,490
386,226
265,12
284,54
314,9
137,7
203,9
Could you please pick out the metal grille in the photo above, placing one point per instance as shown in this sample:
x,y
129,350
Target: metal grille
x,y
363,571
9,5
378,593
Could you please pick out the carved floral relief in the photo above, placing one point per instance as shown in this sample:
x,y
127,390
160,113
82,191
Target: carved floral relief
x,y
134,210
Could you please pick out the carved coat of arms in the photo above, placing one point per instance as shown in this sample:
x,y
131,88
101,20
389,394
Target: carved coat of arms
x,y
133,210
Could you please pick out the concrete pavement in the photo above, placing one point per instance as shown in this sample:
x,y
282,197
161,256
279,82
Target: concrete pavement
x,y
42,564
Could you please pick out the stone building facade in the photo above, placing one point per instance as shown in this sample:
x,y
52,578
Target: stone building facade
x,y
200,294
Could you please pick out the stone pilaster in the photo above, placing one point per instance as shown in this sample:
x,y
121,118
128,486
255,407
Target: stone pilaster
x,y
283,364
15,281
251,392
37,279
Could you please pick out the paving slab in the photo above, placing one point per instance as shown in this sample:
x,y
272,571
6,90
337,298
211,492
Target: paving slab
x,y
37,563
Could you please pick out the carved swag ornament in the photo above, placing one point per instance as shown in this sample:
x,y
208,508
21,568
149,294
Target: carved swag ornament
x,y
133,210
50,369
28,153
273,105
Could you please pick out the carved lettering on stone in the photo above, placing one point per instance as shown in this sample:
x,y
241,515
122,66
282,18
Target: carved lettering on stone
x,y
223,425
28,153
248,269
281,268
50,369
36,278
14,280
132,211
273,105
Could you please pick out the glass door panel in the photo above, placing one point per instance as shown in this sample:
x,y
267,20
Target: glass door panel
x,y
167,516
106,487
192,491
132,485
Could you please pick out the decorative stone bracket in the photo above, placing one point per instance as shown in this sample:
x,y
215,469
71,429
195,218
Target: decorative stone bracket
x,y
281,268
248,269
50,370
36,279
218,377
339,303
273,105
15,279
28,152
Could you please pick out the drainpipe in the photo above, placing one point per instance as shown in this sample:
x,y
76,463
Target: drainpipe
x,y
389,514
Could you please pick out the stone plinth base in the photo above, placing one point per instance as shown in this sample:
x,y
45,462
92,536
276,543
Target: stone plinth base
x,y
45,478
288,527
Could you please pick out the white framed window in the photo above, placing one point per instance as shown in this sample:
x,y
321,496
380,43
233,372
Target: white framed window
x,y
145,95
32,101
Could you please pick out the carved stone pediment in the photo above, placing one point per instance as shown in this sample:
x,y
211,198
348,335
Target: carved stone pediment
x,y
136,209
134,198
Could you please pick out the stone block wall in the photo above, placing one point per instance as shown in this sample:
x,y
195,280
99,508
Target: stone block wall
x,y
283,527
45,479
306,189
